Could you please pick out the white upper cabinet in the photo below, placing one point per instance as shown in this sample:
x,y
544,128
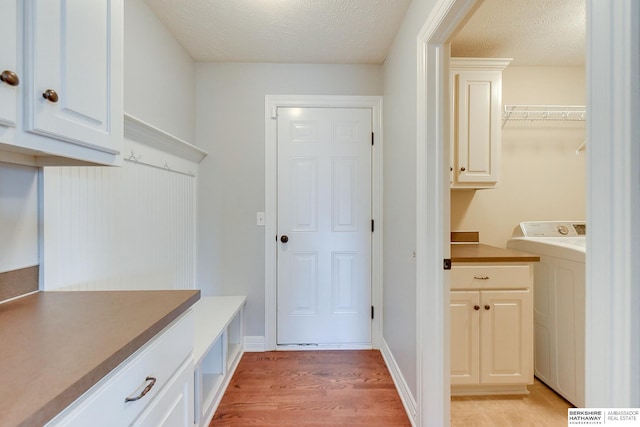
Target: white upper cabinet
x,y
9,79
69,103
476,86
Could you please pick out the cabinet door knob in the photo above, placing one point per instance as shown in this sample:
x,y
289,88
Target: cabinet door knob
x,y
50,95
284,238
487,307
463,169
476,307
10,78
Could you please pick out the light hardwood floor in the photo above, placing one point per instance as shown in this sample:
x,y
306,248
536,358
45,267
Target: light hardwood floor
x,y
311,388
542,408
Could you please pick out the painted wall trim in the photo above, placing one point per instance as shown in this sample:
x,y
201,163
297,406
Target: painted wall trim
x,y
613,205
433,211
272,102
145,143
254,344
408,401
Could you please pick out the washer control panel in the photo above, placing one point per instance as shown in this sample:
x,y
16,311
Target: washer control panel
x,y
551,229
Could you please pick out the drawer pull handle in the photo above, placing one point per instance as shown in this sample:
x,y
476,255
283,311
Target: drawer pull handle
x,y
143,392
481,277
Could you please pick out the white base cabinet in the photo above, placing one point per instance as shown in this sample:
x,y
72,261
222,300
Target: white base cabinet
x,y
491,328
174,406
166,362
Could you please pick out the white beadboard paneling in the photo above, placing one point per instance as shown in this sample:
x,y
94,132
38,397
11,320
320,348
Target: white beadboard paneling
x,y
18,217
118,228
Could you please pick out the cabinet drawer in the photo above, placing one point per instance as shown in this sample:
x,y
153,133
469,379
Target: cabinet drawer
x,y
491,276
104,404
174,405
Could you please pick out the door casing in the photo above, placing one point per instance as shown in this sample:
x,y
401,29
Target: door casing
x,y
272,102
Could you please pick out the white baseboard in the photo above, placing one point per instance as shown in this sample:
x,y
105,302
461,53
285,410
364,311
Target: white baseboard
x,y
254,344
408,401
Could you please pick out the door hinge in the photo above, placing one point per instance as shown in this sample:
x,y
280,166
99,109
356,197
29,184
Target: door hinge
x,y
446,264
372,138
372,226
371,312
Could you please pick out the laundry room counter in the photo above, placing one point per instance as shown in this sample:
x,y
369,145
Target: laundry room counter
x,y
478,252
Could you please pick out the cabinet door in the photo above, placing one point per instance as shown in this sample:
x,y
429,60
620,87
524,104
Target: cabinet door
x,y
477,99
506,348
174,406
75,51
465,354
8,61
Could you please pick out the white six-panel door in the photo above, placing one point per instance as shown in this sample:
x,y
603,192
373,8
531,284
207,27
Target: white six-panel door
x,y
324,226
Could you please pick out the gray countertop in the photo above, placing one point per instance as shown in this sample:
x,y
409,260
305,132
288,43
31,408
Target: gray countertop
x,y
54,346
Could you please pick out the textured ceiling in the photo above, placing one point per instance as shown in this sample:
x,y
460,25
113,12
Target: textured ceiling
x,y
533,32
285,31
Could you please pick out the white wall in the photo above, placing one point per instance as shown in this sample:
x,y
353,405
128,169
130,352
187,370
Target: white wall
x,y
400,88
542,177
18,217
159,83
230,127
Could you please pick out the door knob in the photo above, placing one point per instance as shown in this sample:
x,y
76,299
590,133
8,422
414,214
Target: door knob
x,y
284,238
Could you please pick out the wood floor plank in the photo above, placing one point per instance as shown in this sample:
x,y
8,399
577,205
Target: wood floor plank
x,y
311,388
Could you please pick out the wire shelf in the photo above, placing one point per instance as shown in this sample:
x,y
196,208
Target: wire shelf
x,y
554,113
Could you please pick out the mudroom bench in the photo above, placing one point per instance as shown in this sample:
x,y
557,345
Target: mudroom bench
x,y
219,331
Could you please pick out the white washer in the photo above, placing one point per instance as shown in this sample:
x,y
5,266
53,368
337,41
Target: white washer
x,y
559,302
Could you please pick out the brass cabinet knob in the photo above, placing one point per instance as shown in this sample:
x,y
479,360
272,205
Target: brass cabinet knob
x,y
487,307
50,95
463,169
10,78
476,307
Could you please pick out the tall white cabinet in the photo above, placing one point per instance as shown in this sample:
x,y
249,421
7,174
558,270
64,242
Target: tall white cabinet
x,y
62,72
476,94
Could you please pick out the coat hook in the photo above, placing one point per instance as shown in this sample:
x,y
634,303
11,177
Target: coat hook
x,y
133,157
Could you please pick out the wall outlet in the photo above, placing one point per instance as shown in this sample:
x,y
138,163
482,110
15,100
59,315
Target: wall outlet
x,y
260,218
